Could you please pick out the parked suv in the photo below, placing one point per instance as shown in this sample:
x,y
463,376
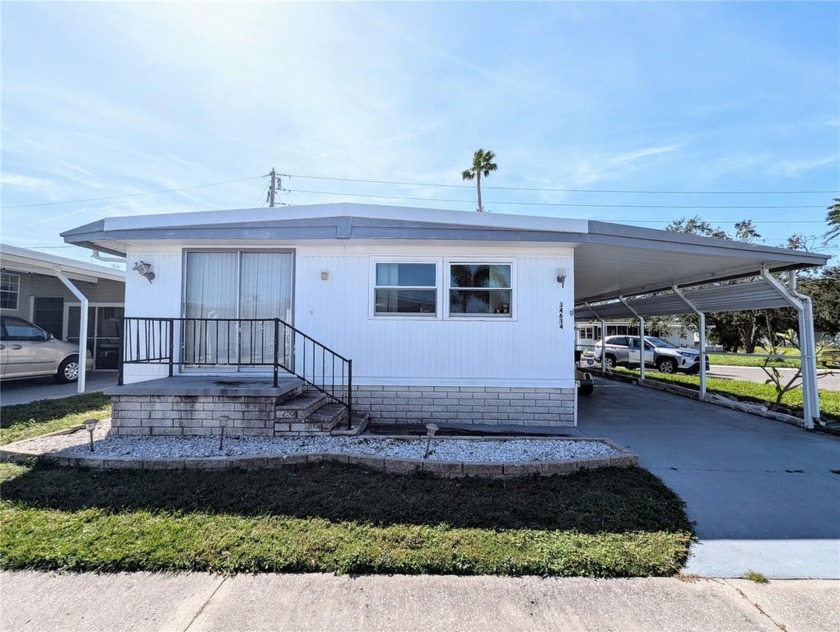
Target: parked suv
x,y
666,357
26,350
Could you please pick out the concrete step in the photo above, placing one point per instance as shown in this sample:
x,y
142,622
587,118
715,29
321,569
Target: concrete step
x,y
328,416
300,407
357,426
293,393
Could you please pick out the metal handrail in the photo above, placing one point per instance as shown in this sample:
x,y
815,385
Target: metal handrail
x,y
224,341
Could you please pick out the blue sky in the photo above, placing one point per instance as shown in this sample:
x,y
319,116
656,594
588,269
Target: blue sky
x,y
117,99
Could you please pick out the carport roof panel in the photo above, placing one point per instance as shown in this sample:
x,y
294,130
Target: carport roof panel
x,y
626,260
25,260
723,298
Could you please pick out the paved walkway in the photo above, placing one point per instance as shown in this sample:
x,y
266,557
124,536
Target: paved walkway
x,y
33,389
195,602
765,495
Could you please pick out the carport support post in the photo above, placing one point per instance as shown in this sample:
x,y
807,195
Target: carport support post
x,y
603,338
603,345
83,327
641,338
809,356
702,340
810,396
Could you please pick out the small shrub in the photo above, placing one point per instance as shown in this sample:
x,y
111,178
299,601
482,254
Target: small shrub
x,y
755,576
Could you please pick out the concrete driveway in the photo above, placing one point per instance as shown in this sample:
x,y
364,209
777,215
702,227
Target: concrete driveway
x,y
762,493
33,389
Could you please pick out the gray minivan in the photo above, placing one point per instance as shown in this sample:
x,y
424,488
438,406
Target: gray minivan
x,y
26,350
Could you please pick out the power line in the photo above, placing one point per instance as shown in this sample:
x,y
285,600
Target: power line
x,y
130,195
261,195
551,190
556,204
459,186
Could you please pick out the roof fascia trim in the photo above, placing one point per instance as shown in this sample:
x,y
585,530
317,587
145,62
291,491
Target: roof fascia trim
x,y
708,246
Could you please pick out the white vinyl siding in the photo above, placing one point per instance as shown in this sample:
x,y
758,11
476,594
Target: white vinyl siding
x,y
529,349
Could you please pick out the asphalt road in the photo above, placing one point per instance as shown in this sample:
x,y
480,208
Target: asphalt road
x,y
757,374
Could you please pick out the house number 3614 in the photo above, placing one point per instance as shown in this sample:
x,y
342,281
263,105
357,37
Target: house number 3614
x,y
560,316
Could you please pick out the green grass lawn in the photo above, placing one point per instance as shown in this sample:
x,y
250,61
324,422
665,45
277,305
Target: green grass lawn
x,y
749,360
24,421
341,519
829,400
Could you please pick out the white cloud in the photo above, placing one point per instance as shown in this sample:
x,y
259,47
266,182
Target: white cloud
x,y
25,182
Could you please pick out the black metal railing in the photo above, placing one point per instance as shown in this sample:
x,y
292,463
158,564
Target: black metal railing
x,y
238,343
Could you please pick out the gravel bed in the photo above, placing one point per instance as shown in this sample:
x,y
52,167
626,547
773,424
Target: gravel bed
x,y
443,449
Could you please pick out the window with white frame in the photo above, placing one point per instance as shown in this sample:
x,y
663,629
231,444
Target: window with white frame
x,y
405,289
9,290
480,289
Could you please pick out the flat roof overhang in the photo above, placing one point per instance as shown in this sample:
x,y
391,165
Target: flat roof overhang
x,y
610,259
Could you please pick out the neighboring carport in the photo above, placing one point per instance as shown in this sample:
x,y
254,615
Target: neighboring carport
x,y
70,273
624,272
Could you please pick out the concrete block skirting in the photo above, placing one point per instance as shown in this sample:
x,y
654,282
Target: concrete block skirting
x,y
177,415
466,405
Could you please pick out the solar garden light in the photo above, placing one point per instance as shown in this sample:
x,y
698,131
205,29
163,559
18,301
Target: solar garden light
x,y
431,429
223,421
90,426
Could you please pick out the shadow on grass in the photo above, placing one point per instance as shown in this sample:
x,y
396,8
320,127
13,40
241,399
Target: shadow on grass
x,y
609,500
50,409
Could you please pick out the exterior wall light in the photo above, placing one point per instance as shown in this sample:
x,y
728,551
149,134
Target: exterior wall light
x,y
144,269
561,276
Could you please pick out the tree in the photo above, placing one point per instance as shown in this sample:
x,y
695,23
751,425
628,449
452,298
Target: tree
x,y
482,165
825,294
732,329
746,231
833,220
696,226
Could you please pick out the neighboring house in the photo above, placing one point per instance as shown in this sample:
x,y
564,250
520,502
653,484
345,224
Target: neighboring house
x,y
447,316
30,288
586,333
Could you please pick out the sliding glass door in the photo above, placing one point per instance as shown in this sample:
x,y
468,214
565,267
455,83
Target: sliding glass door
x,y
227,293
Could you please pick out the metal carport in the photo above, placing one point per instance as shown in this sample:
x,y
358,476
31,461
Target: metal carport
x,y
628,272
67,271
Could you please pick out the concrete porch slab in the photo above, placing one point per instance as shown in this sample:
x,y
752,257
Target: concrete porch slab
x,y
234,385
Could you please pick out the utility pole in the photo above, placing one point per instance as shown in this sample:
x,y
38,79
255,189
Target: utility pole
x,y
272,187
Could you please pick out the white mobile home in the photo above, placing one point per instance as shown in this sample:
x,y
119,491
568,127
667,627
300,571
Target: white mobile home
x,y
426,303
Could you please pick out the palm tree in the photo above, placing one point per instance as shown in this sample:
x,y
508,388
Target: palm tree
x,y
833,219
482,165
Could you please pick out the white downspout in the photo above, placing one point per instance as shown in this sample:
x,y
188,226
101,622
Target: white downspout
x,y
702,316
83,327
810,396
98,256
641,338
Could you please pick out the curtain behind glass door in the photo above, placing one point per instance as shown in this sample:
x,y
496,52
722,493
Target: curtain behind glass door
x,y
236,286
265,292
211,296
